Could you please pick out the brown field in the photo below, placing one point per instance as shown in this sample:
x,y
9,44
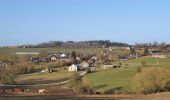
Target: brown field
x,y
157,96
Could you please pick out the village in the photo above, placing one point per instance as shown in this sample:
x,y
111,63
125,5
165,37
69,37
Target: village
x,y
110,58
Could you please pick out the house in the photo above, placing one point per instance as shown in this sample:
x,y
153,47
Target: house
x,y
74,67
53,57
110,66
84,64
160,55
59,57
78,58
44,59
123,58
35,59
5,63
64,57
107,66
92,61
94,58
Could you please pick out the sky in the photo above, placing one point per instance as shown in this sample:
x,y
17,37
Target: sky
x,y
129,21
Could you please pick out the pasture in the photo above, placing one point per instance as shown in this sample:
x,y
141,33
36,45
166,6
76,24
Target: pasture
x,y
120,79
40,78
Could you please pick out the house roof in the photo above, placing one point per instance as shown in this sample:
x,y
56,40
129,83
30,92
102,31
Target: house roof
x,y
77,65
63,55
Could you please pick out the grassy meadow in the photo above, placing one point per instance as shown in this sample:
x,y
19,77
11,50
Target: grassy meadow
x,y
120,79
38,78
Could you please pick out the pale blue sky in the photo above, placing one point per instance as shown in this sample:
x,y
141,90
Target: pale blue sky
x,y
130,21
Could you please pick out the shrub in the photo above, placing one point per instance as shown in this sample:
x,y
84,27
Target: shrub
x,y
143,63
80,85
7,75
55,65
75,81
139,69
85,89
151,80
32,69
24,68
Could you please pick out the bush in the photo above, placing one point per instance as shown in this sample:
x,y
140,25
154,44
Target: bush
x,y
32,69
151,80
139,69
81,86
24,68
7,75
85,89
55,65
75,81
143,63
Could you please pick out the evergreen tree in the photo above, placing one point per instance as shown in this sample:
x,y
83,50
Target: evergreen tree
x,y
146,52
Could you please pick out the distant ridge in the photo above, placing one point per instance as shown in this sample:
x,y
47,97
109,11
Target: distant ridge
x,y
79,44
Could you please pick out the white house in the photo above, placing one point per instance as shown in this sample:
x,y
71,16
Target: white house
x,y
53,58
73,67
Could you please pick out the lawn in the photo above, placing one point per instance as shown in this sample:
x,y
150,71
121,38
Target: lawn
x,y
105,80
111,79
150,62
38,78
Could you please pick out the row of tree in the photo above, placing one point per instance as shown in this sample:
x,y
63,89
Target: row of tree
x,y
94,43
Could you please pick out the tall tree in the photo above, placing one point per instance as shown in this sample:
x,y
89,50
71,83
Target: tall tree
x,y
73,56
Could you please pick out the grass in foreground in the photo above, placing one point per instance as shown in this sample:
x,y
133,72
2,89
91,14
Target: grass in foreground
x,y
120,79
111,79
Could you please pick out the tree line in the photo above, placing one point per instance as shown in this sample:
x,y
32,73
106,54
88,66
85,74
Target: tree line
x,y
79,44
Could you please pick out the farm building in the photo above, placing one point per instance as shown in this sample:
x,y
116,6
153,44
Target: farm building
x,y
35,59
59,57
160,55
5,63
108,66
123,58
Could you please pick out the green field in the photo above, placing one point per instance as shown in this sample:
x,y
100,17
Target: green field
x,y
111,79
38,78
50,50
120,79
